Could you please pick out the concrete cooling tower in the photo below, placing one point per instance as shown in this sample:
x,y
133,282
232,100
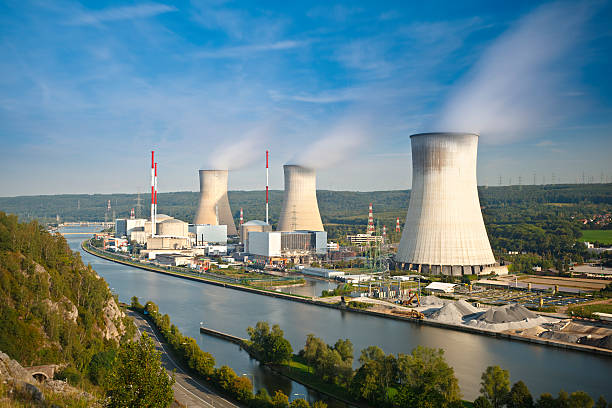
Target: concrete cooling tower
x,y
444,231
213,207
300,209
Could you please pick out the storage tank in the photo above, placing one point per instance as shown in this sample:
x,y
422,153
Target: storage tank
x,y
213,206
300,210
173,228
444,231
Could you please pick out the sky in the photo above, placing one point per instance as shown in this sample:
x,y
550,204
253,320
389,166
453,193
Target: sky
x,y
88,89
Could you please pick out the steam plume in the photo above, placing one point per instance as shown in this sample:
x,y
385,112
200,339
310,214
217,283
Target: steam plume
x,y
517,84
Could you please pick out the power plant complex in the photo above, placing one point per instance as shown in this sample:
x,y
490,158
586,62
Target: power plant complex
x,y
444,232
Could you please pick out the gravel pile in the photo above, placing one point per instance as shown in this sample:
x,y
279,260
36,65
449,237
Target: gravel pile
x,y
433,301
566,337
453,313
508,317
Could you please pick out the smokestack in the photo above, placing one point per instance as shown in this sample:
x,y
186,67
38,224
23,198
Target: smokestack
x,y
213,206
241,216
267,183
300,209
132,216
444,231
370,229
397,225
152,192
155,201
384,234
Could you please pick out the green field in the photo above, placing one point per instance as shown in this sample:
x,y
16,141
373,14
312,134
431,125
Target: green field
x,y
603,236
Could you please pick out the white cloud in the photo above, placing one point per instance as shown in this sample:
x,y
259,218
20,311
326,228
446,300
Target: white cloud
x,y
121,13
246,50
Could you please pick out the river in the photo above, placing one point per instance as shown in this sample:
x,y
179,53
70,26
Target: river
x,y
543,369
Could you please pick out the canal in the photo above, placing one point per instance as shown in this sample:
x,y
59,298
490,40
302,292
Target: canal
x,y
543,369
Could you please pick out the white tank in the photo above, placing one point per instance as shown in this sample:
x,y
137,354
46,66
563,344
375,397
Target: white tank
x,y
213,206
444,231
300,209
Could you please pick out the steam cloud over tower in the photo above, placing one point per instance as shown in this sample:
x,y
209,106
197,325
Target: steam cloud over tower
x,y
213,207
300,209
444,231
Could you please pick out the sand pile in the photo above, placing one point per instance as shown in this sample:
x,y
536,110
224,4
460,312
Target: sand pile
x,y
433,301
508,317
454,312
566,337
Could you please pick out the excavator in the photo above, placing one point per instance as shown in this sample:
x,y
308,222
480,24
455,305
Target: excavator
x,y
413,296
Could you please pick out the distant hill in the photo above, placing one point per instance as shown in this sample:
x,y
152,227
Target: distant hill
x,y
337,207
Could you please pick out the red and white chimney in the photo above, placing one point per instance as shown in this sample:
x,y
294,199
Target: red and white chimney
x,y
370,229
267,183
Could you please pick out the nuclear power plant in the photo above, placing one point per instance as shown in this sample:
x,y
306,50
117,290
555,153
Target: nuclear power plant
x,y
213,206
444,231
300,210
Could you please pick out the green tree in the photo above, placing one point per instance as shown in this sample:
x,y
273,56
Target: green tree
x,y
425,378
242,389
519,396
138,378
136,303
580,399
495,385
269,345
482,402
601,402
261,399
546,400
319,404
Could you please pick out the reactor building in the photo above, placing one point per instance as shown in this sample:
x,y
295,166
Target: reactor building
x,y
300,210
213,206
444,231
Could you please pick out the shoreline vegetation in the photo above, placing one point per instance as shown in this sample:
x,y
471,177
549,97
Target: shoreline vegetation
x,y
309,300
419,379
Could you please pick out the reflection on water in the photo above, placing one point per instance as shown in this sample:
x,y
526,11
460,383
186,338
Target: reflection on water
x,y
188,303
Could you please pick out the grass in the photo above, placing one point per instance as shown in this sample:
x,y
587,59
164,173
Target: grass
x,y
603,236
297,370
588,310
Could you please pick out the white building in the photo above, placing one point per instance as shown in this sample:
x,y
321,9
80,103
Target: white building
x,y
266,244
441,287
322,272
207,233
124,227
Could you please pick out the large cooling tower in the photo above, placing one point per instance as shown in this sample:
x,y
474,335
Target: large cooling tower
x,y
444,231
214,207
300,208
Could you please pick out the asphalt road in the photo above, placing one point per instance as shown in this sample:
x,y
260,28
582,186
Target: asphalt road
x,y
187,390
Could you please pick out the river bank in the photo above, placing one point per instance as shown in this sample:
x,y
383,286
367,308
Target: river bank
x,y
304,299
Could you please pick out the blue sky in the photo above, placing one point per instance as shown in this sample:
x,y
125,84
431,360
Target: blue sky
x,y
88,89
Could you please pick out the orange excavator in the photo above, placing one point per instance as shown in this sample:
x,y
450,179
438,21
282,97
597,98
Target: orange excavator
x,y
413,296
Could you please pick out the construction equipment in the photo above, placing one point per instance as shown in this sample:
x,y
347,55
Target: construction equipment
x,y
413,314
411,298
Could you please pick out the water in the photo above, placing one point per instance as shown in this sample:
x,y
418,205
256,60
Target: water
x,y
543,369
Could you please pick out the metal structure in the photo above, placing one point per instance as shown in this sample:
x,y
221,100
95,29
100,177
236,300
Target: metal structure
x,y
300,210
444,231
213,206
370,229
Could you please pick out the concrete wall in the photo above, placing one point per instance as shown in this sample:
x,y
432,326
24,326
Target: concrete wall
x,y
265,243
216,234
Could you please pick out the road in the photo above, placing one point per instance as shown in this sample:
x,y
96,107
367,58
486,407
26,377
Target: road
x,y
187,390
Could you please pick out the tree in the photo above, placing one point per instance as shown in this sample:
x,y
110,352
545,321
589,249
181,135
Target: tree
x,y
280,400
299,403
546,400
482,402
519,396
319,404
225,377
138,378
269,345
495,385
580,399
601,402
365,384
242,389
425,374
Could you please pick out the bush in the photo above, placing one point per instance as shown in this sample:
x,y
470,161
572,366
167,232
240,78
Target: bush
x,y
71,375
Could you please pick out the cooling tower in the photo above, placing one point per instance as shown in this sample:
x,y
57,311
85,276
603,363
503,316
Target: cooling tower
x,y
213,207
300,209
444,231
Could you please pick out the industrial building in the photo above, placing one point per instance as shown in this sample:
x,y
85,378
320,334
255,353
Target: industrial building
x,y
444,231
300,210
252,226
213,206
125,226
204,234
293,246
360,239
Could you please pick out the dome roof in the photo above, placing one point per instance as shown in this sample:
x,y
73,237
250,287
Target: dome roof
x,y
255,222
